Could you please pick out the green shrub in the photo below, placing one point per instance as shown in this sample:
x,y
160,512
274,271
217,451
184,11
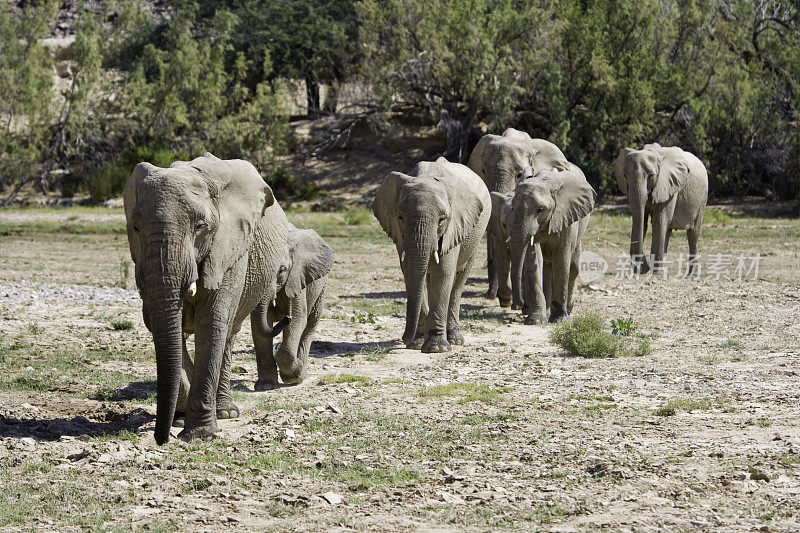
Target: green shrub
x,y
357,216
588,335
624,327
121,324
108,180
285,185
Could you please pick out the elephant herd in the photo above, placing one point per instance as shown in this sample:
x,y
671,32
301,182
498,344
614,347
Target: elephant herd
x,y
211,246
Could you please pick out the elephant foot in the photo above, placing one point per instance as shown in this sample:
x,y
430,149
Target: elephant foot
x,y
227,410
534,320
265,384
491,294
436,344
506,303
292,380
416,344
179,420
454,336
200,433
516,307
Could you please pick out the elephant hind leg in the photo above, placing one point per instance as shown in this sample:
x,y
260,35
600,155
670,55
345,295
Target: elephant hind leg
x,y
491,268
693,235
265,352
454,335
666,240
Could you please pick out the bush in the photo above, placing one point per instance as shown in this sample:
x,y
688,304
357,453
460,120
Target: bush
x,y
286,186
588,335
108,180
357,217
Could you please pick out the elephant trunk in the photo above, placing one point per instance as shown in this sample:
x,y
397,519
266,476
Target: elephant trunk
x,y
168,341
170,274
637,198
418,246
265,330
521,239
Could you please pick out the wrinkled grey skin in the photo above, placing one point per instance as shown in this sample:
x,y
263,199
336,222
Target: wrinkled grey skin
x,y
301,292
552,208
214,226
669,186
438,209
498,160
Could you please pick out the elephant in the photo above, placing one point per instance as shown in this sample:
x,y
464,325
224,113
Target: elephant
x,y
498,160
436,216
301,284
669,185
551,209
205,237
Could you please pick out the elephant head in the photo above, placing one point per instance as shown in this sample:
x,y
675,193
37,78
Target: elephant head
x,y
545,204
187,225
655,174
426,217
502,218
498,159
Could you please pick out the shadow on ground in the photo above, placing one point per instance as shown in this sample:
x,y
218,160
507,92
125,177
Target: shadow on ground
x,y
77,426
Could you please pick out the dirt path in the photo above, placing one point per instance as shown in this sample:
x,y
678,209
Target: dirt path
x,y
506,432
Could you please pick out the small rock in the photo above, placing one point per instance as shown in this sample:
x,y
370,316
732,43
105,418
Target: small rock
x,y
286,434
332,407
757,474
27,443
332,498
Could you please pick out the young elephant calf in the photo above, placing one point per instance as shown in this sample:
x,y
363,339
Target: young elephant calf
x,y
551,212
301,290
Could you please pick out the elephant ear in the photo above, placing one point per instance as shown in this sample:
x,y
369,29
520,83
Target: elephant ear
x,y
385,205
476,157
129,200
619,170
672,175
240,196
574,199
465,211
498,199
546,155
312,259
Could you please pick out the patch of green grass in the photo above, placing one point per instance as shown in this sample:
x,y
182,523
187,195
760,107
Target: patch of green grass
x,y
357,216
54,226
35,329
626,327
121,324
790,459
588,335
674,406
465,392
332,378
763,423
716,216
493,516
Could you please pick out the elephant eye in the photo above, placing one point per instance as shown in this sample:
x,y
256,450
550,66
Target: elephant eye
x,y
200,225
136,228
540,209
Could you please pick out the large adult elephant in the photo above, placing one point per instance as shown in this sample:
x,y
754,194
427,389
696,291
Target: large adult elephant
x,y
498,160
206,237
436,216
551,210
668,185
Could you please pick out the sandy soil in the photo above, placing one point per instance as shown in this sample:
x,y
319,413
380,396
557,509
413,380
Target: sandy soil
x,y
556,442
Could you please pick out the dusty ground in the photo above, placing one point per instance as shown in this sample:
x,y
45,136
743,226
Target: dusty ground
x,y
506,432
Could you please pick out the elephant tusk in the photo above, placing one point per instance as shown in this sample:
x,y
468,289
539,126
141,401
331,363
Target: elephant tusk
x,y
403,256
192,289
273,303
436,256
531,240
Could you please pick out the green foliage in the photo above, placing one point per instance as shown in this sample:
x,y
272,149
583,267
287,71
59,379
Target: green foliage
x,y
285,185
587,335
108,180
357,216
672,407
361,317
624,327
120,324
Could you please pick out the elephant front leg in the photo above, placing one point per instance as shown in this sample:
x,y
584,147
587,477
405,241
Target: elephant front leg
x,y
225,406
187,369
454,335
213,325
661,218
502,265
440,286
265,353
560,284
